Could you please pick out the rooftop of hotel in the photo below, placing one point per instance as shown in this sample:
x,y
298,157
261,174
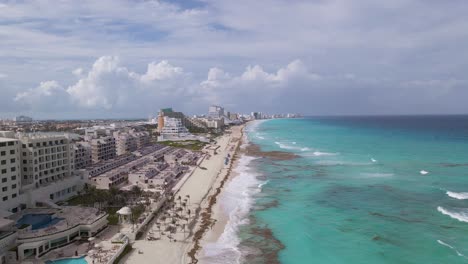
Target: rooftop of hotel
x,y
2,139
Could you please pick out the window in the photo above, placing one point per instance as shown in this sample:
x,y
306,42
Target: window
x,y
5,198
13,178
24,154
12,152
3,162
13,169
4,189
11,143
4,171
4,179
3,153
13,160
13,186
3,144
13,195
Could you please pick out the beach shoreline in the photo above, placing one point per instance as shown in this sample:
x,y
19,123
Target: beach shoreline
x,y
203,188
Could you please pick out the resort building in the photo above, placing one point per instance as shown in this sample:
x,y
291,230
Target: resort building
x,y
125,143
149,177
143,138
45,159
83,157
215,123
10,174
43,229
103,149
215,112
173,129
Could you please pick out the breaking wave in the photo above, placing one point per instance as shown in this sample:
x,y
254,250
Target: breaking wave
x,y
461,216
236,201
459,196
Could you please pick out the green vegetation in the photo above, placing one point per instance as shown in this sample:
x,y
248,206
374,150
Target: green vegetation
x,y
187,144
111,201
197,130
126,250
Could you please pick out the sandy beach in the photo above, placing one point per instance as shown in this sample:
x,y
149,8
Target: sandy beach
x,y
201,190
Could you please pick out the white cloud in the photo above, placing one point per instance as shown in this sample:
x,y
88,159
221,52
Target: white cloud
x,y
333,37
48,96
161,71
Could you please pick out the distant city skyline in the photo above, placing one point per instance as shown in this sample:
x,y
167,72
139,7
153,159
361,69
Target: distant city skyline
x,y
128,59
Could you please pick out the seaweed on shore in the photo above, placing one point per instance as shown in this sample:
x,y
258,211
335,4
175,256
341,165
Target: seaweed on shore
x,y
206,217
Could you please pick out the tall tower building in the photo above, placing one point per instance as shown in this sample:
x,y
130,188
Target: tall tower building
x,y
160,121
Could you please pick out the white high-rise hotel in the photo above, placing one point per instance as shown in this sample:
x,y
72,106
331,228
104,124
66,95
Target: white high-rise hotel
x,y
36,168
9,174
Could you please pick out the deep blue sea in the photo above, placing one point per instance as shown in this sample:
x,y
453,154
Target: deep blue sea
x,y
361,190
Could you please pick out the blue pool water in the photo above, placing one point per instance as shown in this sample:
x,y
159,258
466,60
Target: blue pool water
x,y
38,221
68,261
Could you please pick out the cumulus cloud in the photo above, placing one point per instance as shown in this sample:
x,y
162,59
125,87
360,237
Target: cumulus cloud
x,y
108,85
354,55
48,96
161,71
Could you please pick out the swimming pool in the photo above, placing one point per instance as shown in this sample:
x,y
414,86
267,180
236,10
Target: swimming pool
x,y
38,221
80,260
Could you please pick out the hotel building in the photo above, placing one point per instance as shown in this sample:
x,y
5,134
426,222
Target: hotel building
x,y
83,157
10,174
103,149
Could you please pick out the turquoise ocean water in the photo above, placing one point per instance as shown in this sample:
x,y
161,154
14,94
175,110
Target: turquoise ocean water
x,y
362,190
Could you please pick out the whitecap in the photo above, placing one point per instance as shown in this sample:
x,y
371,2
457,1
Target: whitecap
x,y
423,172
451,247
289,147
459,196
318,153
461,216
373,160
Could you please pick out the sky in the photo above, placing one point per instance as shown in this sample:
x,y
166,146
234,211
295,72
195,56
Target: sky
x,y
127,59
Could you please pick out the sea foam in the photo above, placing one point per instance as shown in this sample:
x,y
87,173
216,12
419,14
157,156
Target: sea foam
x,y
289,147
451,247
461,216
459,196
236,201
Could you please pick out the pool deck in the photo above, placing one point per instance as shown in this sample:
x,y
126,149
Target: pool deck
x,y
102,245
71,215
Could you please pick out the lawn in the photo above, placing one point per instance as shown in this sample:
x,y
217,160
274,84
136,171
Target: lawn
x,y
187,144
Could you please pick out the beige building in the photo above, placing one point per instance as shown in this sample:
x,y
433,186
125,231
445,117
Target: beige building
x,y
45,158
103,149
125,143
83,157
10,175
